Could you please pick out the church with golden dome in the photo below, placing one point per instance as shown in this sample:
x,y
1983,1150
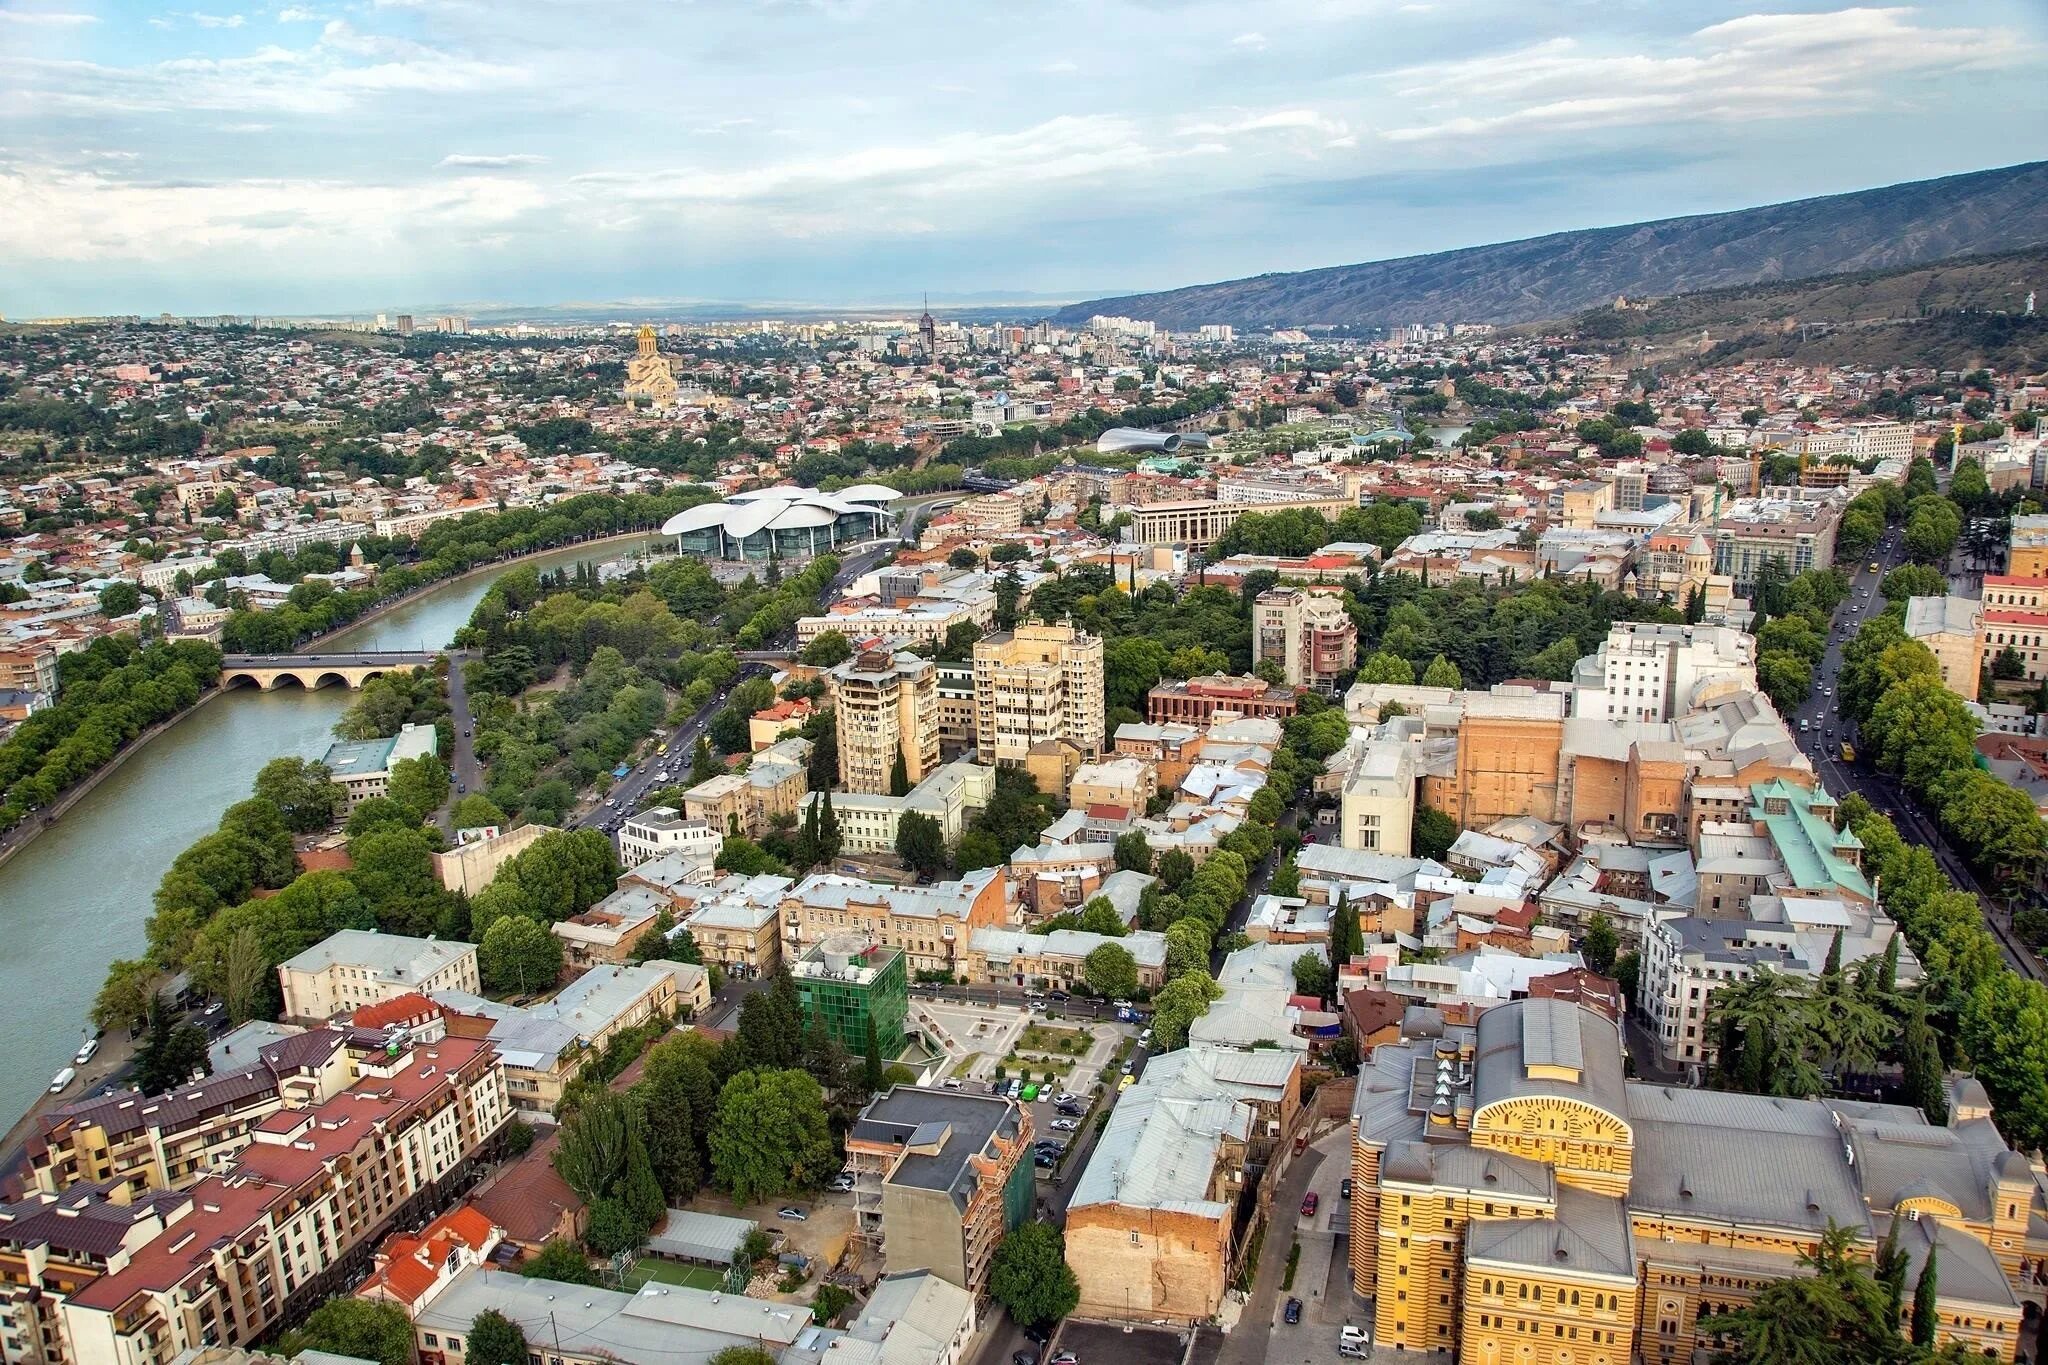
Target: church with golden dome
x,y
649,376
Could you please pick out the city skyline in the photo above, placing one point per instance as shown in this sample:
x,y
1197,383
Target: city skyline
x,y
308,157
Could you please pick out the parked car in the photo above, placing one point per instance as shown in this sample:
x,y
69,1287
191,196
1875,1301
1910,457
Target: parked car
x,y
1064,1358
1063,1125
1024,1358
1072,1111
1061,996
85,1054
797,1215
1344,1188
1293,1313
841,1184
1066,1097
1309,1202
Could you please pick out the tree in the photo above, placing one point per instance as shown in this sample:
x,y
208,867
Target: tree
x,y
1187,946
871,1058
124,998
420,784
899,775
921,842
1442,673
1111,971
170,1055
1134,853
476,810
368,1329
771,1135
518,955
746,1355
1312,976
594,1149
704,764
1099,916
1835,1316
1030,1276
558,1259
120,599
1179,1003
495,1339
1926,1308
1176,866
826,648
1600,944
1433,833
1385,667
1923,1081
303,792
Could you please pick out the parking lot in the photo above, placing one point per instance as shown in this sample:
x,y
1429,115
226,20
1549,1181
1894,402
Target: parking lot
x,y
1104,1343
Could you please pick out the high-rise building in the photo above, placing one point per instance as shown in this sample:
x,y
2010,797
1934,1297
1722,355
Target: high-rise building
x,y
1308,633
405,324
1037,683
887,710
1652,672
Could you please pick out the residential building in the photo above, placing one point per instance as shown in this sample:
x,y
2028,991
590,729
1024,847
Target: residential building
x,y
887,713
605,933
998,956
1795,531
930,925
362,767
855,986
1033,684
772,724
594,1326
1376,810
1125,782
545,1046
662,829
358,967
1515,1197
2026,555
956,710
868,821
733,921
913,1318
940,1177
1652,672
1196,700
412,1267
1952,628
1308,633
723,803
275,1230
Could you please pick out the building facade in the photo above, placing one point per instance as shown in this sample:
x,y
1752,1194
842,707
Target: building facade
x,y
1308,633
887,713
1033,684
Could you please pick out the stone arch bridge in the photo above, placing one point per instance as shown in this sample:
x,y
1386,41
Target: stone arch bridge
x,y
312,671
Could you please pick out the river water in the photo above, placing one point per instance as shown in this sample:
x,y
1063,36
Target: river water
x,y
76,898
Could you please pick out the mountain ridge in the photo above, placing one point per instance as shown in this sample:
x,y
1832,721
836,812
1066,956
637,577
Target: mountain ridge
x,y
1553,276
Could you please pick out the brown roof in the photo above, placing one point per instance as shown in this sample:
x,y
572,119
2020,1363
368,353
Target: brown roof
x,y
529,1199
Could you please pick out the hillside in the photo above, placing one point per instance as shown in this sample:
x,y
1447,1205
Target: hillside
x,y
1548,277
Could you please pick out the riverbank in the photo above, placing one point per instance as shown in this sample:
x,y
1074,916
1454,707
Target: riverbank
x,y
26,833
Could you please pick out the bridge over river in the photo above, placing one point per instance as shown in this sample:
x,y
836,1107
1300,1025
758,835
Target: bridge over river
x,y
312,671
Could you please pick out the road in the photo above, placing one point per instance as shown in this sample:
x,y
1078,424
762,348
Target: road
x,y
1825,731
627,793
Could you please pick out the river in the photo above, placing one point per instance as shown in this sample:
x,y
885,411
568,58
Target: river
x,y
77,896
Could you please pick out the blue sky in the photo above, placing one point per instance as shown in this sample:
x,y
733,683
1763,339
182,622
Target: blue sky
x,y
300,155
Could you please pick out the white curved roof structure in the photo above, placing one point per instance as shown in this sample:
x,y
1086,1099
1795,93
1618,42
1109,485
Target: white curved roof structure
x,y
868,492
1137,438
783,508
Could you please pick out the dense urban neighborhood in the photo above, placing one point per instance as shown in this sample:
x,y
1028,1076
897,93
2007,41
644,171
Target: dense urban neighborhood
x,y
957,841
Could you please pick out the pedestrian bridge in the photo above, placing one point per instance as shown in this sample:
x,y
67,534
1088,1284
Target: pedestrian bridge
x,y
310,671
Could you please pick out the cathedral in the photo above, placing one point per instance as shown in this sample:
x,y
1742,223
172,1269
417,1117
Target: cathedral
x,y
648,375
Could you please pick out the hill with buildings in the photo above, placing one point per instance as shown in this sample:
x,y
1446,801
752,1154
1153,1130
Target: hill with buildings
x,y
1547,277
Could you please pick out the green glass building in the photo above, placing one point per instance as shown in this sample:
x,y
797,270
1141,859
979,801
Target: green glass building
x,y
850,982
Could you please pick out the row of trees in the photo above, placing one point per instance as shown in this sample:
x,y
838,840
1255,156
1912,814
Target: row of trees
x,y
108,693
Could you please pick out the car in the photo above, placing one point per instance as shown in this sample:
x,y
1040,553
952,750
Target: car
x,y
1145,1038
1063,1125
841,1184
1062,997
1344,1188
461,787
1309,1202
1072,1111
1293,1313
1127,1082
951,1083
998,1087
1129,1067
1066,1097
1024,1358
62,1079
1354,1343
1016,1089
1064,1358
1045,1158
1036,1002
85,1054
792,1213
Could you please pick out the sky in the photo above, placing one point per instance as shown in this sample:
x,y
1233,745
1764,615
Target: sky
x,y
350,156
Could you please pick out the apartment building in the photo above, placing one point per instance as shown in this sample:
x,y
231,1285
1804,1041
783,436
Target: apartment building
x,y
734,921
1197,700
1798,533
1033,684
887,713
362,767
868,821
1376,805
295,1216
1515,1197
143,1142
956,709
2026,555
940,1177
663,829
479,853
1000,956
1649,671
358,967
1952,628
930,925
748,803
1308,633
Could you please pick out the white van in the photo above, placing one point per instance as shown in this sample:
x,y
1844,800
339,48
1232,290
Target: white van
x,y
85,1054
1353,1342
62,1079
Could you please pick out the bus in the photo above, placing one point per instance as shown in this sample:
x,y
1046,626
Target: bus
x,y
1848,752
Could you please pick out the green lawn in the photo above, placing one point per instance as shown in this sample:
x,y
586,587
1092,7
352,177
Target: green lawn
x,y
673,1272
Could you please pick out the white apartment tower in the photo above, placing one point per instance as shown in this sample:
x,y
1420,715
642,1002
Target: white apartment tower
x,y
1037,683
887,707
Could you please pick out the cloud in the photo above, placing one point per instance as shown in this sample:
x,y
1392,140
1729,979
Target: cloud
x,y
1060,68
292,14
489,163
218,20
51,18
1758,67
1254,41
1278,120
